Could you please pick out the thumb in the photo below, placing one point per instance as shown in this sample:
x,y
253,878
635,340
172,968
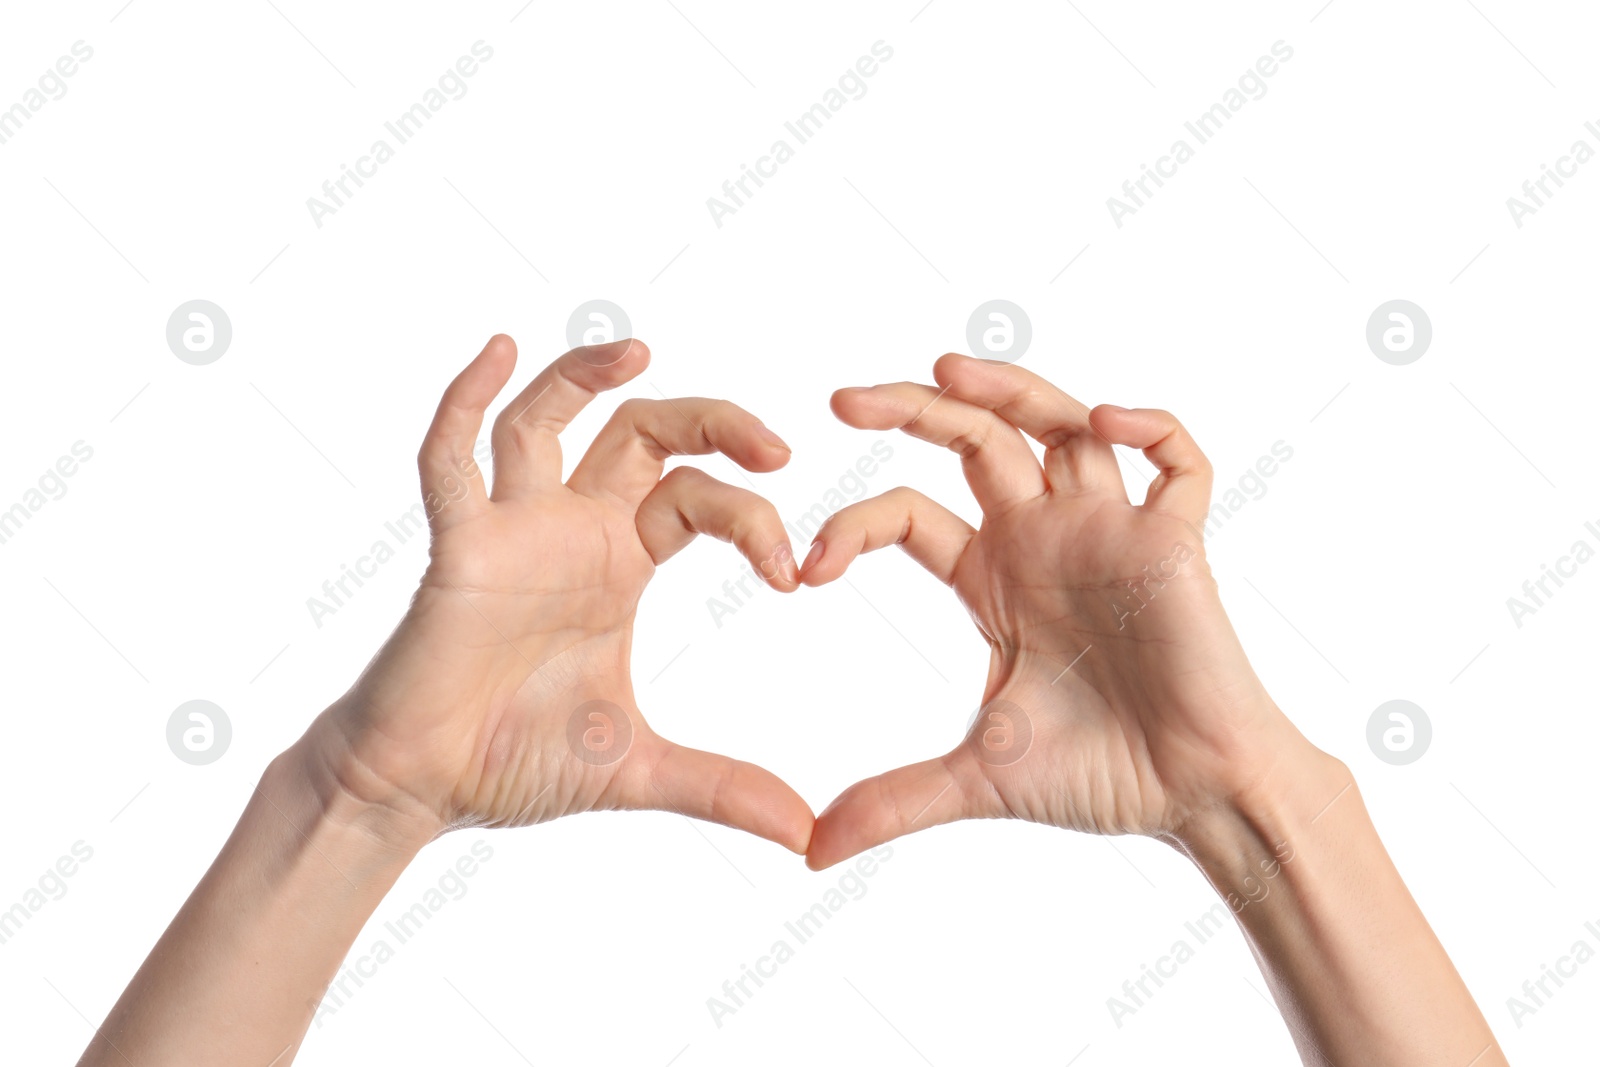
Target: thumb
x,y
706,785
903,801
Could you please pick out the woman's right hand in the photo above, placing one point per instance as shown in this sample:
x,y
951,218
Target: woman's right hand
x,y
1118,697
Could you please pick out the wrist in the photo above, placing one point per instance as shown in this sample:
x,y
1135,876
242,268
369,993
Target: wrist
x,y
1243,840
343,794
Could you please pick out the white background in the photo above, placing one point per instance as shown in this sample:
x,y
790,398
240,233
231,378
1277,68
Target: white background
x,y
1376,566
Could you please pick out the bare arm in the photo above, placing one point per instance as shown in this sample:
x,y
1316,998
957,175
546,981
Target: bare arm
x,y
1352,962
238,974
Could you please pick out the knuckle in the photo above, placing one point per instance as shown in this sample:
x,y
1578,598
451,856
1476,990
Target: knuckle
x,y
633,409
685,477
760,508
971,441
903,496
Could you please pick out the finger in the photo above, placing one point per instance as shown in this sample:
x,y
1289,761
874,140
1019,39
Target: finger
x,y
1075,458
450,474
527,450
627,458
999,465
929,533
1183,488
903,801
688,502
719,789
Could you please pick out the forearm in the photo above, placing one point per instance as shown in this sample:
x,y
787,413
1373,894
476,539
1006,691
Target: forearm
x,y
237,975
1358,973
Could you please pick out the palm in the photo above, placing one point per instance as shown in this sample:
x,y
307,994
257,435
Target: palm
x,y
1115,681
504,698
550,585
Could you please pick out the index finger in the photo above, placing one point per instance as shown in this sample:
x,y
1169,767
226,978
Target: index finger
x,y
1076,455
527,451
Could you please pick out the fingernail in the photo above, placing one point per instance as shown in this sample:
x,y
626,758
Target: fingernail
x,y
771,438
790,571
817,550
1114,407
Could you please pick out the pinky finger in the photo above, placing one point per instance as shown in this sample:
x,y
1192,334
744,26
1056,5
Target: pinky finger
x,y
931,534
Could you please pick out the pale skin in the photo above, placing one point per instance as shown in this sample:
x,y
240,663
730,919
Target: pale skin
x,y
504,699
1110,653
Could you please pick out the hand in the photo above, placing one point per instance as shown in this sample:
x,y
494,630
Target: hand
x,y
504,696
1118,699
